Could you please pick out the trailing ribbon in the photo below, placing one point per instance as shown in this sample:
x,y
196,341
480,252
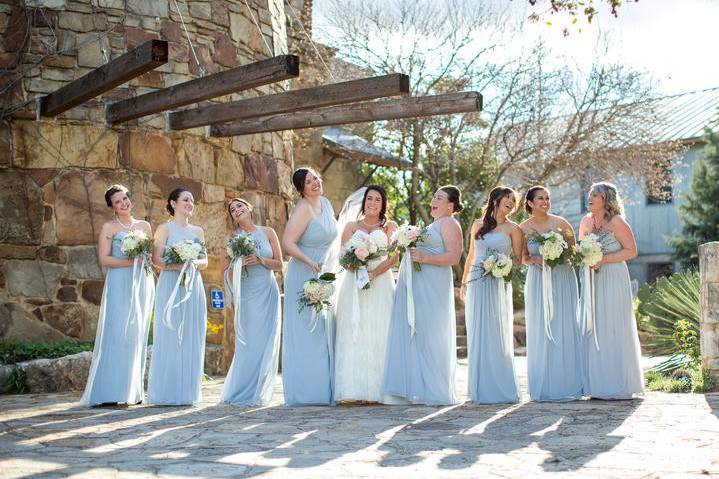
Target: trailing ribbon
x,y
234,288
355,319
588,306
405,271
137,270
505,338
361,277
547,300
188,273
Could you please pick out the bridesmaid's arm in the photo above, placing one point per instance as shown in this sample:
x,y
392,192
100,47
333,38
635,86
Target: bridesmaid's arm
x,y
225,260
517,244
624,235
347,233
527,258
158,251
104,250
275,263
469,261
567,232
201,262
451,233
296,226
583,227
391,260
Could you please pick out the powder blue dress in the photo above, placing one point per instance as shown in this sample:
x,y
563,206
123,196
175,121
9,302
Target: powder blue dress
x,y
613,370
490,317
420,367
553,367
307,354
251,378
118,360
177,363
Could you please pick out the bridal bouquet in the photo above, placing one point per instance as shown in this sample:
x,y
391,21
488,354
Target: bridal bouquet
x,y
499,265
359,250
241,244
408,236
184,252
552,246
316,292
588,252
136,244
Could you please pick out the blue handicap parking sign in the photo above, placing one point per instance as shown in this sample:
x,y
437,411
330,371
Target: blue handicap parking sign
x,y
217,299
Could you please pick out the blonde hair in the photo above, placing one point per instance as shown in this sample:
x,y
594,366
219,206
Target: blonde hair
x,y
610,194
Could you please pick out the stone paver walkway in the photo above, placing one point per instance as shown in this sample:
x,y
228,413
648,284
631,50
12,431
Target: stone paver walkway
x,y
663,435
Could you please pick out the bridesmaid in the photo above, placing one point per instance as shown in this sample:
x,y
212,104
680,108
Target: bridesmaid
x,y
553,361
251,378
178,352
118,361
489,314
420,364
611,349
307,351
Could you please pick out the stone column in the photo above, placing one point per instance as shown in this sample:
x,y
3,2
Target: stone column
x,y
709,306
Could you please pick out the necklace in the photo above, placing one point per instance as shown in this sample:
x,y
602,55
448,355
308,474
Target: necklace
x,y
597,228
373,225
127,227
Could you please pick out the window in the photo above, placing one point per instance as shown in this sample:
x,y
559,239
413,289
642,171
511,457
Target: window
x,y
657,270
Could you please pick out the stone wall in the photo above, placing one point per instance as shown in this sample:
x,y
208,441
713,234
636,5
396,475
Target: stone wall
x,y
709,305
53,172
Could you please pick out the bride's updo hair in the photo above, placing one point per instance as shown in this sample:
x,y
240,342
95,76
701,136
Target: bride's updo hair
x,y
383,209
299,176
112,190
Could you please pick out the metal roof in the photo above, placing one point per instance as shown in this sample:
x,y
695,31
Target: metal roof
x,y
348,144
684,116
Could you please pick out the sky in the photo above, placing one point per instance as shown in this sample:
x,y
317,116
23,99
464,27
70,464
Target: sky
x,y
675,41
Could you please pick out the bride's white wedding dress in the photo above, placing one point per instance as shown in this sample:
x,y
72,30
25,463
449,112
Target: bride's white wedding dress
x,y
361,337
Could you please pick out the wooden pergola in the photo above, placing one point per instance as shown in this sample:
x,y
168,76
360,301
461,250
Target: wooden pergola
x,y
327,105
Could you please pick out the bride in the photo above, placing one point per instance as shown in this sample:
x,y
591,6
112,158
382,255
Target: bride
x,y
363,314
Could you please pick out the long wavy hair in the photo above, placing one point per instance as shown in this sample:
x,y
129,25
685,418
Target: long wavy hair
x,y
489,222
383,209
612,201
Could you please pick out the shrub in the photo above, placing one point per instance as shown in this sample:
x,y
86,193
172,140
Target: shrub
x,y
12,352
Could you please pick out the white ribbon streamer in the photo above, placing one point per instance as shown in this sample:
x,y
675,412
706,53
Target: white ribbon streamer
x,y
188,269
547,299
588,306
361,277
355,318
235,289
138,270
505,338
405,273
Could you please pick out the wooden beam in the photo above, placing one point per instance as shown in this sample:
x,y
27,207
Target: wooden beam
x,y
334,94
229,81
134,63
361,112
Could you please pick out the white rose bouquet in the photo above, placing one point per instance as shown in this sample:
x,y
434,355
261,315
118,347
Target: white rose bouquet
x,y
184,252
408,236
136,244
241,244
360,249
316,292
499,265
552,246
588,252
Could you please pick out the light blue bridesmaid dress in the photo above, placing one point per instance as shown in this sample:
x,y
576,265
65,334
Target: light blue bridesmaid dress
x,y
553,367
489,316
307,353
420,367
118,360
613,369
251,378
177,363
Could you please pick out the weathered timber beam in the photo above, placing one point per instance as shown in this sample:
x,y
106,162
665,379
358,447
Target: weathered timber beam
x,y
334,94
229,81
134,63
464,102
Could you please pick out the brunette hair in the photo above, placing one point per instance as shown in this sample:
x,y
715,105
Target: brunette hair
x,y
238,200
489,222
383,210
112,190
298,178
531,193
453,196
174,196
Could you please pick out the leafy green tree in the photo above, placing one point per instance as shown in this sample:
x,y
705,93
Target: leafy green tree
x,y
699,213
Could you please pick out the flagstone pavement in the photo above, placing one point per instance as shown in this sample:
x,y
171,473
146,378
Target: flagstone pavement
x,y
662,435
